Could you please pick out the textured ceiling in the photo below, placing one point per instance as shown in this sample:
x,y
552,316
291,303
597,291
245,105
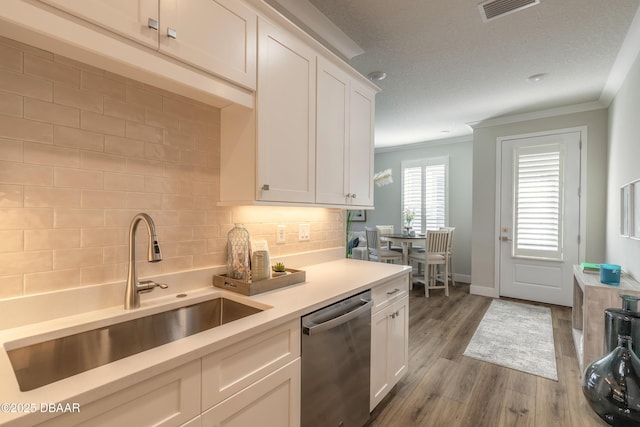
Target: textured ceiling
x,y
447,68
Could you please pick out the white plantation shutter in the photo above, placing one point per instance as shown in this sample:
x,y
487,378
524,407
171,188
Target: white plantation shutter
x,y
538,207
424,190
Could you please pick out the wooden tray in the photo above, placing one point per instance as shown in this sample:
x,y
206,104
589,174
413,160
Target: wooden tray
x,y
252,288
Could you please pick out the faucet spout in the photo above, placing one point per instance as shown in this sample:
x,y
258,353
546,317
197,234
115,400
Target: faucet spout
x,y
134,287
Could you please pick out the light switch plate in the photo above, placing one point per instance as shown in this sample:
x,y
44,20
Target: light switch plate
x,y
304,231
281,236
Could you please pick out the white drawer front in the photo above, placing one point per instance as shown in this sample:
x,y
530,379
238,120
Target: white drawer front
x,y
233,368
389,292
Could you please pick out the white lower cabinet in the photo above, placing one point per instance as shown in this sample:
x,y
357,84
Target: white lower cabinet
x,y
389,337
168,399
274,401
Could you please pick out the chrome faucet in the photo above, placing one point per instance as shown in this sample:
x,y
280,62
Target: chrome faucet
x,y
134,287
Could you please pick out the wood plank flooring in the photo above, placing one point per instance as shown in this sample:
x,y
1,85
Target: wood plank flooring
x,y
445,388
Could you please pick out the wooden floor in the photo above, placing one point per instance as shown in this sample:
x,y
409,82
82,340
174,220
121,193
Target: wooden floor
x,y
445,388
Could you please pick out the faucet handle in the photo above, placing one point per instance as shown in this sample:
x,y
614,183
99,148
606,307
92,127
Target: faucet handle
x,y
148,285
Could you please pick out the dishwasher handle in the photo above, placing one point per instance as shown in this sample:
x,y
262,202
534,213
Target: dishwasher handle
x,y
315,328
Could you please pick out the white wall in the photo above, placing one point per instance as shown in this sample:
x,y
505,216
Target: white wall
x,y
623,167
387,199
484,189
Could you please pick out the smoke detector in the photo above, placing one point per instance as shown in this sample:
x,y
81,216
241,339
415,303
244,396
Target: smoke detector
x,y
493,9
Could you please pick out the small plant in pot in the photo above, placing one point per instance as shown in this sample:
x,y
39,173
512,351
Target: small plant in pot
x,y
279,269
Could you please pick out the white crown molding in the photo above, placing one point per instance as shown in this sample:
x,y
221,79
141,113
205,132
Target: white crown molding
x,y
306,15
627,55
541,114
425,144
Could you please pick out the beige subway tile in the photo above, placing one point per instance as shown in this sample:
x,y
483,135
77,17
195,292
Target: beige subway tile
x,y
175,264
188,217
100,237
10,58
78,138
51,197
162,120
45,154
11,104
25,218
142,132
25,85
74,218
193,247
163,217
62,238
11,149
84,100
175,201
122,110
51,280
11,241
76,258
182,140
25,47
219,216
147,269
174,233
219,244
208,260
160,184
103,162
144,201
51,113
123,146
161,152
123,182
101,123
144,98
77,178
77,64
207,231
11,286
21,173
27,130
186,110
116,254
209,145
123,217
50,70
26,262
11,196
98,83
145,167
95,199
103,274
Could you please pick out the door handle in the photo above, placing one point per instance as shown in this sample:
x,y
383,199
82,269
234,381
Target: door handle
x,y
504,239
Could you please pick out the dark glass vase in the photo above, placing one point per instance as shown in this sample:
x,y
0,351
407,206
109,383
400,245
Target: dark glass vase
x,y
611,385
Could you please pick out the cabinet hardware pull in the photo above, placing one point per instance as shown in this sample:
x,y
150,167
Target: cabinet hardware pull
x,y
153,24
172,33
353,195
393,292
265,187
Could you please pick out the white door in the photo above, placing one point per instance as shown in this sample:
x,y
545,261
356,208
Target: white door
x,y
539,217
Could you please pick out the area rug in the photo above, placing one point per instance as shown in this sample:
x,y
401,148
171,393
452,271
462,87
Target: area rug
x,y
517,336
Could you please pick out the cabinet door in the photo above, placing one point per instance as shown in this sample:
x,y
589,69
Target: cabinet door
x,y
361,122
129,18
273,401
398,340
332,134
286,117
218,36
379,357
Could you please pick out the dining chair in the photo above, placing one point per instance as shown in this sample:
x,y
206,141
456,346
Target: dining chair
x,y
387,229
376,251
434,256
450,253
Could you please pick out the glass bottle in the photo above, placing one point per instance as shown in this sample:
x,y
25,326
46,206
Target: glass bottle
x,y
611,385
612,322
238,253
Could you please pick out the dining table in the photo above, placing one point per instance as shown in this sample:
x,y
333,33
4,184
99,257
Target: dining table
x,y
407,241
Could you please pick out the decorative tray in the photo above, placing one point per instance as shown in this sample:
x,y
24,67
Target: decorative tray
x,y
252,288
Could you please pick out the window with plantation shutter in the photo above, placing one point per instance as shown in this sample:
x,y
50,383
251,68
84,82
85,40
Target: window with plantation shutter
x,y
538,206
424,191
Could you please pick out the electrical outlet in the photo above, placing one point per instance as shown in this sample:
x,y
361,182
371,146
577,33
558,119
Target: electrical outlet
x,y
304,231
281,236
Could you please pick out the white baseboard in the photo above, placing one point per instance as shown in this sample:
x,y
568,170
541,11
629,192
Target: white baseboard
x,y
485,291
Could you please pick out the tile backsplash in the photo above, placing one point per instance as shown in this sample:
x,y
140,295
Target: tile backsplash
x,y
83,150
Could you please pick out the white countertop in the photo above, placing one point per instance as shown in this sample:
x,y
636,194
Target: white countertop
x,y
325,283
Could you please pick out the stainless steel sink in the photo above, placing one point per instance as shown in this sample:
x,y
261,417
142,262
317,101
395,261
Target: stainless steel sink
x,y
39,364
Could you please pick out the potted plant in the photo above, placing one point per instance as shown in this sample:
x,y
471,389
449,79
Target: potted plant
x,y
408,215
279,269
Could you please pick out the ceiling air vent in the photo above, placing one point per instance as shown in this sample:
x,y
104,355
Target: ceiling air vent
x,y
493,9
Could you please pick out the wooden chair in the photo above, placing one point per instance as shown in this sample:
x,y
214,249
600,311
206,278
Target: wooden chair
x,y
376,252
387,229
450,253
435,255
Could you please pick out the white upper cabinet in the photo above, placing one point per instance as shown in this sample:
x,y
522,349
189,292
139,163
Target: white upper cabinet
x,y
345,119
286,113
218,36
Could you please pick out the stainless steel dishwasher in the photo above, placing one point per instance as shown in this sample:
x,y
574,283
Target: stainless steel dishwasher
x,y
336,356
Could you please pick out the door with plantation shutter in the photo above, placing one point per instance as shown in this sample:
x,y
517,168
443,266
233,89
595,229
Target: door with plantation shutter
x,y
539,217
